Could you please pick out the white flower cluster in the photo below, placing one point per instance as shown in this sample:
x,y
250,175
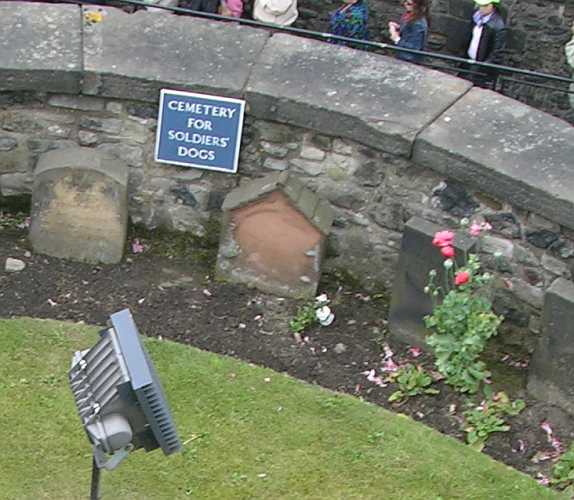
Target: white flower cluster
x,y
323,312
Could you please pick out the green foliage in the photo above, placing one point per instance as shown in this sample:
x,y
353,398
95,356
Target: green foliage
x,y
489,417
285,446
461,326
563,470
304,318
412,380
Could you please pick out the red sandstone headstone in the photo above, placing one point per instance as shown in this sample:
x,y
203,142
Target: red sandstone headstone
x,y
273,236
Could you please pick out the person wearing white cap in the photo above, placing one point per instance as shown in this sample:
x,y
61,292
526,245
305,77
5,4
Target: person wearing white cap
x,y
569,51
281,12
486,38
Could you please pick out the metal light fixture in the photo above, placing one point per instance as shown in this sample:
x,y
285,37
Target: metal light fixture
x,y
120,399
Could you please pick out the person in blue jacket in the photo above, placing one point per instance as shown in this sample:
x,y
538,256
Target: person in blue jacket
x,y
350,20
412,31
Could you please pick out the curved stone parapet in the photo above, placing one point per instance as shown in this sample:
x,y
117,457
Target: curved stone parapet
x,y
503,147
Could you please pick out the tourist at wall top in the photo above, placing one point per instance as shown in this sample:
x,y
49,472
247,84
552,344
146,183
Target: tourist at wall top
x,y
231,8
485,41
569,49
486,35
350,20
412,31
281,12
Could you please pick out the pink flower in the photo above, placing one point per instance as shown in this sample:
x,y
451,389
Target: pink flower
x,y
443,239
389,366
137,246
461,278
447,252
372,377
415,352
475,229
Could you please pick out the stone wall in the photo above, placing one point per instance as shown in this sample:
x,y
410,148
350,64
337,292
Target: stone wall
x,y
373,192
382,140
538,31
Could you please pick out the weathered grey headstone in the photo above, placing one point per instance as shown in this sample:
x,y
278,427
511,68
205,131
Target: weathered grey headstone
x,y
273,236
551,376
418,256
79,206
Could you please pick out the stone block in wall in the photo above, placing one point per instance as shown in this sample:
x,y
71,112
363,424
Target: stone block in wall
x,y
79,206
40,47
409,303
504,148
273,236
375,100
14,154
552,366
188,53
461,8
15,184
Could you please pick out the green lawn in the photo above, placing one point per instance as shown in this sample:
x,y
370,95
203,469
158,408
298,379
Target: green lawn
x,y
250,433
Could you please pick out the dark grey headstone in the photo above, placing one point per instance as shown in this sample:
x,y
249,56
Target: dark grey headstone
x,y
551,376
409,303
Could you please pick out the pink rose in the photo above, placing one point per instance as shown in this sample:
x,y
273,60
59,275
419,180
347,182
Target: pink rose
x,y
475,229
461,278
443,239
447,252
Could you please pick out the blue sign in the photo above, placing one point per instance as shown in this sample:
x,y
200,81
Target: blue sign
x,y
198,130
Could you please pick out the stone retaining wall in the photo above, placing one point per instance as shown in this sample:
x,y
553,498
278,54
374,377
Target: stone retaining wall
x,y
381,139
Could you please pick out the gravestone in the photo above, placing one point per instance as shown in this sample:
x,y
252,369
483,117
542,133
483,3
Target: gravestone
x,y
273,236
551,376
418,256
79,206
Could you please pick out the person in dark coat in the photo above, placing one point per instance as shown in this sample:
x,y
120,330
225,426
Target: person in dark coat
x,y
485,40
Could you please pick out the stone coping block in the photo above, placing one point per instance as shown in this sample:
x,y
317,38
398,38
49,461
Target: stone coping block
x,y
133,56
40,47
506,149
375,100
551,372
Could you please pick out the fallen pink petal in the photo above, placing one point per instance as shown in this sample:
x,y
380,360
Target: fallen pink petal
x,y
137,246
415,352
390,366
372,377
542,479
546,427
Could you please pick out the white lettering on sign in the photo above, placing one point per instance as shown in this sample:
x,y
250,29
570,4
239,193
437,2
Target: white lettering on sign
x,y
202,109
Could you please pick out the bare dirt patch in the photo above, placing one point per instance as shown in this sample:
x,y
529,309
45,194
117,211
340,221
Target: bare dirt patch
x,y
170,291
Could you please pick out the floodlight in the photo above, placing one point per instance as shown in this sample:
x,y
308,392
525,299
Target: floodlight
x,y
119,398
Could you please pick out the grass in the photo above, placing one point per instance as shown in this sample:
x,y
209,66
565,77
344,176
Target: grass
x,y
250,433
